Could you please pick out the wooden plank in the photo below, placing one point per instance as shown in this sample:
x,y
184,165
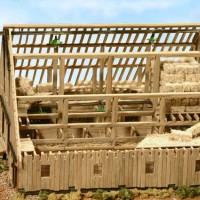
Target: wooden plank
x,y
61,85
106,55
52,170
36,173
185,166
29,172
65,111
114,115
2,146
71,169
147,73
162,114
55,69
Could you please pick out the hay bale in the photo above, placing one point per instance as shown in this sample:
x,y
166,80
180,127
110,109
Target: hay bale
x,y
168,68
176,102
179,68
194,102
185,102
177,87
180,135
191,108
44,87
187,59
192,77
168,87
186,87
24,86
194,87
177,109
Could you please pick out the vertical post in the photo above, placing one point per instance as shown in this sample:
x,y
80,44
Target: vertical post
x,y
94,80
147,71
156,75
61,82
139,81
65,111
101,72
114,115
55,66
156,80
2,66
49,74
109,84
198,46
162,114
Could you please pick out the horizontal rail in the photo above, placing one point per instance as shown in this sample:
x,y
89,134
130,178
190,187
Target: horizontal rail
x,y
106,55
125,25
109,96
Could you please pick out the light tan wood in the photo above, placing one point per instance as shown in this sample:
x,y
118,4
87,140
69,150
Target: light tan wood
x,y
104,55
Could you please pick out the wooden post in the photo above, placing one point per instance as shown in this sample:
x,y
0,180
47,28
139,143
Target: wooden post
x,y
55,66
109,85
162,114
114,115
156,79
101,72
198,46
65,111
139,73
147,72
61,80
49,74
94,80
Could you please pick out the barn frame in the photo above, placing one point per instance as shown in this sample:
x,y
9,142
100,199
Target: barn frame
x,y
104,100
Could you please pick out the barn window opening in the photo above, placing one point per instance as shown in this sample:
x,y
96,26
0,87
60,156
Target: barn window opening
x,y
197,168
149,167
98,169
45,170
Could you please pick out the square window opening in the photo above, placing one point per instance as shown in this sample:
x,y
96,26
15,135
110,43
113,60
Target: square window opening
x,y
45,170
197,167
98,169
149,167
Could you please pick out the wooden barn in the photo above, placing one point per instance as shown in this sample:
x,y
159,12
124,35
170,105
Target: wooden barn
x,y
101,105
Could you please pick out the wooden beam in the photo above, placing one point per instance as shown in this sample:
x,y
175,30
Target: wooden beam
x,y
90,97
162,114
125,25
106,125
55,76
101,81
127,44
148,73
156,75
65,111
61,85
106,55
114,116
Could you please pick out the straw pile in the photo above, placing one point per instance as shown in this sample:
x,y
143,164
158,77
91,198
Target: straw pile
x,y
44,87
24,86
187,135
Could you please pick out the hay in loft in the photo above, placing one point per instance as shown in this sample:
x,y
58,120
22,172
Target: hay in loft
x,y
24,86
169,68
44,87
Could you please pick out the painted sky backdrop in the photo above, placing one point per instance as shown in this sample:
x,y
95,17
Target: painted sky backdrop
x,y
99,11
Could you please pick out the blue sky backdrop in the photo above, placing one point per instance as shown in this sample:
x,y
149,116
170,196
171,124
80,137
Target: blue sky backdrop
x,y
99,11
